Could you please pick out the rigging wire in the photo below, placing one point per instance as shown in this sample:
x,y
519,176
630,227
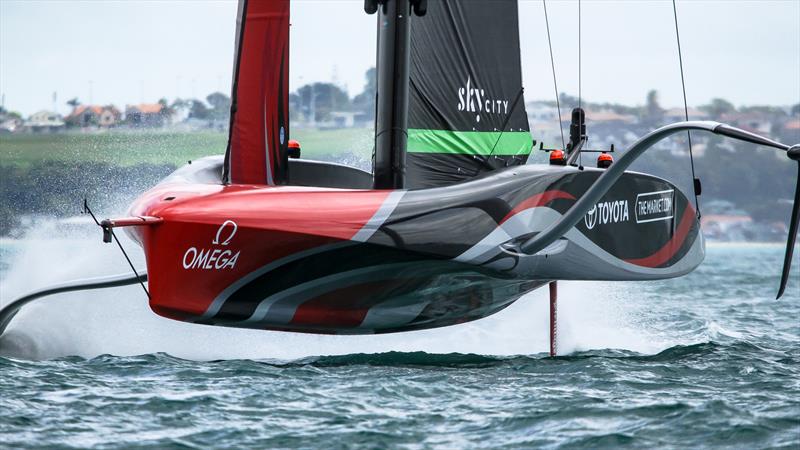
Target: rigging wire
x,y
579,55
505,123
685,107
555,84
87,210
580,98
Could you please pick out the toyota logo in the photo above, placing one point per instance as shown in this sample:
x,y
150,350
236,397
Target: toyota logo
x,y
591,218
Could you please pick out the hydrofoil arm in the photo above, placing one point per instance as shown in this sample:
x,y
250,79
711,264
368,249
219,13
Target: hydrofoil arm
x,y
9,311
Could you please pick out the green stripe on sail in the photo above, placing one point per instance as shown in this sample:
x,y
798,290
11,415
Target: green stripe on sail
x,y
469,142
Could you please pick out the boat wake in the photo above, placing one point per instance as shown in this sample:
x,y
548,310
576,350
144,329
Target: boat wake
x,y
592,315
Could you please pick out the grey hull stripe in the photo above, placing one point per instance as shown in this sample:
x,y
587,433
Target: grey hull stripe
x,y
280,307
486,245
215,306
379,217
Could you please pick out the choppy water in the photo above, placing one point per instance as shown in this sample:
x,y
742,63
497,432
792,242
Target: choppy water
x,y
708,360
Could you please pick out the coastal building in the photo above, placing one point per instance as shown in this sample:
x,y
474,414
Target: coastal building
x,y
791,130
10,124
45,122
93,115
146,115
753,121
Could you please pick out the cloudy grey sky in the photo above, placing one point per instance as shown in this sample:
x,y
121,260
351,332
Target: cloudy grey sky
x,y
138,51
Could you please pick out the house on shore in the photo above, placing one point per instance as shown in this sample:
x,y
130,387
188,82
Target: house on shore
x,y
791,130
753,121
10,123
149,115
45,122
85,116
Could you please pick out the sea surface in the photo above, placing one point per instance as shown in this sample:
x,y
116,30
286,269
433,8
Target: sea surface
x,y
708,360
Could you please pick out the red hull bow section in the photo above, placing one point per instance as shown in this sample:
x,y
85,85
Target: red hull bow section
x,y
371,261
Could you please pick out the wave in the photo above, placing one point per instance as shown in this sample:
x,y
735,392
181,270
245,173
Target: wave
x,y
678,354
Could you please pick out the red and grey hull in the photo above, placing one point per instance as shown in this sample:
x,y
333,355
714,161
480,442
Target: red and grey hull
x,y
375,261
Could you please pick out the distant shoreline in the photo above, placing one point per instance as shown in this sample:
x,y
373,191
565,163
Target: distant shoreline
x,y
745,244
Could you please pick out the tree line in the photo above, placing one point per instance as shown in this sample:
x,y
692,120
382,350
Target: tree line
x,y
312,102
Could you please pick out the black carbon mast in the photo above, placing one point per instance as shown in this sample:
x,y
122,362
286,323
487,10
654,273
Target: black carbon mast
x,y
391,102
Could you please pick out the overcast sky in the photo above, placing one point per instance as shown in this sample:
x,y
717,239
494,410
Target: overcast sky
x,y
138,51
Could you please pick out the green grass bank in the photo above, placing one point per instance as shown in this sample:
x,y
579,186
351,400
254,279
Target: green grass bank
x,y
127,148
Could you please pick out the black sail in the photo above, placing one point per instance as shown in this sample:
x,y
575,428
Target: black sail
x,y
466,108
